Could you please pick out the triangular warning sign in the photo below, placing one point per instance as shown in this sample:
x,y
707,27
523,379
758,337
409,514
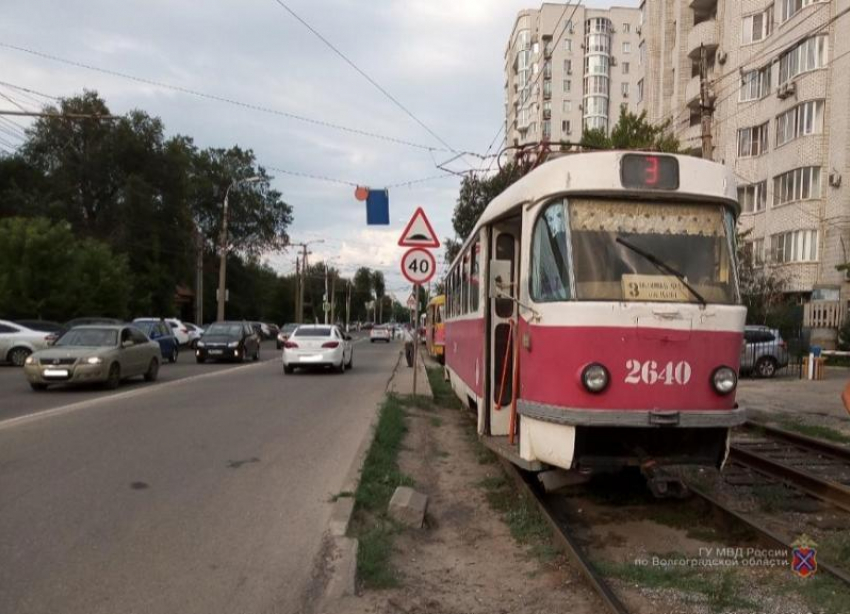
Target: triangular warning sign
x,y
418,232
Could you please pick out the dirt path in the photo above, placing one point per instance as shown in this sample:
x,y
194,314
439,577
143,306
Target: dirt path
x,y
466,561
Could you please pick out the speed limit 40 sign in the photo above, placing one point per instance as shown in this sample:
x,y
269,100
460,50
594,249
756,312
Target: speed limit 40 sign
x,y
418,265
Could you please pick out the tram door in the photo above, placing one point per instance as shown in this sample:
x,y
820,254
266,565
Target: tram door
x,y
505,248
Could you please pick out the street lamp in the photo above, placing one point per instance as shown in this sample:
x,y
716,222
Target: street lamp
x,y
222,267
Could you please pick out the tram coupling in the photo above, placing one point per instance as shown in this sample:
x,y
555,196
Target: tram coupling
x,y
662,484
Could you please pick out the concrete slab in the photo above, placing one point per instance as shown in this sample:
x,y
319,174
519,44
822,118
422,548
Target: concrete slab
x,y
343,582
408,507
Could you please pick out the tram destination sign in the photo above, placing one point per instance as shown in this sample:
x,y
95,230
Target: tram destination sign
x,y
666,288
649,172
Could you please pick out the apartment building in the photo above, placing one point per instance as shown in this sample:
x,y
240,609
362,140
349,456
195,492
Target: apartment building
x,y
568,67
779,86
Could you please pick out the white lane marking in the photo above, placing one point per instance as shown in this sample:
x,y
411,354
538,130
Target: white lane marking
x,y
66,409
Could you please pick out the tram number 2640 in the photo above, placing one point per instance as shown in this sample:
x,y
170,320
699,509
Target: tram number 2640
x,y
649,372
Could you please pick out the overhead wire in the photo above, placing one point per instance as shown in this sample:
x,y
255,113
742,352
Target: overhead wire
x,y
363,73
223,99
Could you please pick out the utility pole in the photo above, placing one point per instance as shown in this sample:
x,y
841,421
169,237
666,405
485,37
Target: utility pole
x,y
325,298
705,105
333,299
199,277
297,315
347,305
222,267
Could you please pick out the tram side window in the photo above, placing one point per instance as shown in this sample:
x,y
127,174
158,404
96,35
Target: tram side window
x,y
475,287
457,291
464,298
448,290
549,267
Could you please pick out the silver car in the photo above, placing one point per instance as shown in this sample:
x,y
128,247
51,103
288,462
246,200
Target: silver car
x,y
17,342
104,354
764,351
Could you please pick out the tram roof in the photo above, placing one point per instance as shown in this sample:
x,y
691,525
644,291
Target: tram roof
x,y
598,174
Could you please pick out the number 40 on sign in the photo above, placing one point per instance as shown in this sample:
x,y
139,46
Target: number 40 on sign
x,y
418,265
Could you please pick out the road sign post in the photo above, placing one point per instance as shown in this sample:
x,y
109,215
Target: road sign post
x,y
415,334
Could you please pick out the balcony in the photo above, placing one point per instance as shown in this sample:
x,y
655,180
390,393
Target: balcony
x,y
703,6
704,33
692,90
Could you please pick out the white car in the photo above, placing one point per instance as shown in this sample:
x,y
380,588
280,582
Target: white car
x,y
195,333
318,346
380,333
181,331
17,342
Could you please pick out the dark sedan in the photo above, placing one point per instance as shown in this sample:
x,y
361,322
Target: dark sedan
x,y
228,341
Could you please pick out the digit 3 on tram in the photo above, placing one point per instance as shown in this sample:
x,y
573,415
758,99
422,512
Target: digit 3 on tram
x,y
593,319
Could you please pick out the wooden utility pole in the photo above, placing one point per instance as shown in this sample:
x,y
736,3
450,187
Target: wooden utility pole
x,y
333,299
705,105
199,277
297,315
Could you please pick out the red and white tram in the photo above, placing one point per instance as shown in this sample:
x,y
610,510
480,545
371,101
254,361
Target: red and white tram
x,y
593,318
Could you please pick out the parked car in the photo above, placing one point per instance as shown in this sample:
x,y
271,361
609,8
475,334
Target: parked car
x,y
89,354
262,329
195,333
764,351
180,330
228,341
380,333
367,326
314,345
17,342
274,329
162,333
45,326
284,334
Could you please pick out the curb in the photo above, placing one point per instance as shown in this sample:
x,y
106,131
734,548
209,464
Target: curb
x,y
343,580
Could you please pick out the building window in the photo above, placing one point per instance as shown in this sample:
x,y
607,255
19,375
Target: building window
x,y
568,45
808,55
550,279
789,8
640,90
755,84
547,128
568,86
795,246
547,69
753,198
627,28
596,65
596,85
642,53
752,141
625,90
568,67
627,47
570,27
798,184
757,27
566,127
625,68
758,252
596,105
547,89
568,106
802,120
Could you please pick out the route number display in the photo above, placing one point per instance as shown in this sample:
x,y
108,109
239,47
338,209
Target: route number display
x,y
418,265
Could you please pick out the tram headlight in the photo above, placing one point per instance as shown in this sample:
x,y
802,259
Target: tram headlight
x,y
595,377
724,380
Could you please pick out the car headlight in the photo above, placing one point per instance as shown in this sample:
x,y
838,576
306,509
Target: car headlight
x,y
94,360
233,344
201,344
29,360
595,378
724,380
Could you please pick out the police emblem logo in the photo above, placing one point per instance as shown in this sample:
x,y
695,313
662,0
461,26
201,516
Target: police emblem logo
x,y
804,561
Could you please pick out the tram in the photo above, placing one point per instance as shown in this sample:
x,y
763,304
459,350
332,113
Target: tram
x,y
593,318
435,332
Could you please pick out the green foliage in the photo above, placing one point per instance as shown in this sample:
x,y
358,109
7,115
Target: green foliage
x,y
632,131
476,193
46,272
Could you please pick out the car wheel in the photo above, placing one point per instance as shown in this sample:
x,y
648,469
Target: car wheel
x,y
38,387
371,341
18,356
174,354
153,371
200,360
341,367
288,370
114,379
257,355
350,364
766,367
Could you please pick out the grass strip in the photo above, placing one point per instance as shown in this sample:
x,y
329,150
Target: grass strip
x,y
444,396
381,475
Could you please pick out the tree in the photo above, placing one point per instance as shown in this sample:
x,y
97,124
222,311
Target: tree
x,y
452,249
361,293
476,193
762,290
45,272
632,132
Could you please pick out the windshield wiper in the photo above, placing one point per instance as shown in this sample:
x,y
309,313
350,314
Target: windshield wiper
x,y
663,266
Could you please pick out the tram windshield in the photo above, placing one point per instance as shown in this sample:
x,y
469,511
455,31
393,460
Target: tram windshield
x,y
635,251
686,239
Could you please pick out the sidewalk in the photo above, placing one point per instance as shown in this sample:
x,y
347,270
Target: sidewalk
x,y
784,398
401,382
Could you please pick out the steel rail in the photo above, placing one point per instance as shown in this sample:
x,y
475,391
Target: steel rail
x,y
799,439
765,534
567,542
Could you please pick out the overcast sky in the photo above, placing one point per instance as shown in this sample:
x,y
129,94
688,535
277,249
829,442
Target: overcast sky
x,y
442,59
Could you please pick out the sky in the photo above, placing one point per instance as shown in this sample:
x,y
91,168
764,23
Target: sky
x,y
443,60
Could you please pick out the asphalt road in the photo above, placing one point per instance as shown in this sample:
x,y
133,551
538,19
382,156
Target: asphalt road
x,y
201,496
18,399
